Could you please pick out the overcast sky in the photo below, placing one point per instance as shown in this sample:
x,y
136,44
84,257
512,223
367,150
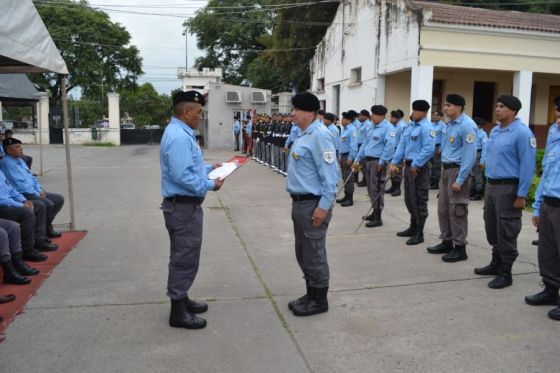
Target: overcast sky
x,y
159,38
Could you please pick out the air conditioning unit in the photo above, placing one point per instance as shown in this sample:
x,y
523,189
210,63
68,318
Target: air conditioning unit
x,y
258,97
233,97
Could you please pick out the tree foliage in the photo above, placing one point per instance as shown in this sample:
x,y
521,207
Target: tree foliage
x,y
145,105
96,50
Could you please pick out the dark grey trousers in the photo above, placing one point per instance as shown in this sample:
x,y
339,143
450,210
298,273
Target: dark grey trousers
x,y
436,166
346,171
53,204
477,183
10,239
236,137
416,193
375,183
310,243
184,224
453,208
502,221
549,244
32,223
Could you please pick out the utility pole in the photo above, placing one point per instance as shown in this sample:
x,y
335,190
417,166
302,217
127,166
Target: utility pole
x,y
186,34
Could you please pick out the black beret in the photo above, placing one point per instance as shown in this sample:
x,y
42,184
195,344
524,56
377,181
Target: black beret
x,y
306,101
365,113
420,105
189,96
329,116
511,102
378,110
479,121
321,112
10,141
557,103
455,99
353,113
397,114
347,115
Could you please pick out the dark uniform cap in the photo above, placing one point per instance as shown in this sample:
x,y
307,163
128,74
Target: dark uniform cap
x,y
365,113
347,115
353,113
420,105
511,102
189,96
329,116
479,121
321,112
455,99
397,114
10,141
306,101
378,110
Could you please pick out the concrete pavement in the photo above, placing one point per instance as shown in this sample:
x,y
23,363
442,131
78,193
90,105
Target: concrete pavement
x,y
392,307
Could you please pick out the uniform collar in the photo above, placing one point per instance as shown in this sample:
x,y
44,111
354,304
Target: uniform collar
x,y
511,126
316,123
424,121
459,119
185,127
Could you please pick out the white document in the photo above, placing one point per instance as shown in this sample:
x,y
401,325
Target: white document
x,y
222,172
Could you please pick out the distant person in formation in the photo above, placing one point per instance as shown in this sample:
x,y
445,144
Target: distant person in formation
x,y
312,178
236,132
184,183
477,181
510,165
546,216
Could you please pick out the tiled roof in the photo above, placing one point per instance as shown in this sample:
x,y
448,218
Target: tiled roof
x,y
463,15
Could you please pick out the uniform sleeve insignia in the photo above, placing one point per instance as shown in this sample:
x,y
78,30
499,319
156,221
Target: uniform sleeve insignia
x,y
533,142
295,156
451,139
328,156
433,133
343,139
392,133
470,138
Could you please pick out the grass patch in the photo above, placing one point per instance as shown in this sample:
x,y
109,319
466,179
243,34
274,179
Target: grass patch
x,y
98,144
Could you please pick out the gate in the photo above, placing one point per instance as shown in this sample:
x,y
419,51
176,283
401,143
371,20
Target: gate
x,y
55,135
141,136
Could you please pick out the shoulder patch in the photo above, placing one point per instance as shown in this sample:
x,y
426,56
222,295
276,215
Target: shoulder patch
x,y
533,142
355,134
470,138
328,156
392,133
433,133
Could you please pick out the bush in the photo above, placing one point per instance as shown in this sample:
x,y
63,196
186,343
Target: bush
x,y
540,156
532,190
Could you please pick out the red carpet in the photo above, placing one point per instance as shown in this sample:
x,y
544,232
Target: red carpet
x,y
23,293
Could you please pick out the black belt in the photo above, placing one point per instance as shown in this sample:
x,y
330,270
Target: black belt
x,y
368,159
552,201
304,197
408,162
438,145
344,154
479,150
510,181
450,165
185,199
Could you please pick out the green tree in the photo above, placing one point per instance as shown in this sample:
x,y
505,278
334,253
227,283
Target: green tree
x,y
96,50
145,105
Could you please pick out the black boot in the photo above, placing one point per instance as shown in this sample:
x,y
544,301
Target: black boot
x,y
547,297
492,268
362,183
459,253
22,267
391,189
195,307
554,314
45,246
51,233
315,303
180,317
503,279
397,191
349,201
34,256
418,236
370,217
408,232
442,248
340,200
376,222
294,303
11,276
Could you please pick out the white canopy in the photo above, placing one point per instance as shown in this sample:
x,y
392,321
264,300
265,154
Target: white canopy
x,y
25,43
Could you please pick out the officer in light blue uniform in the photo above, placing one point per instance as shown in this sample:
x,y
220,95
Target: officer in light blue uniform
x,y
184,184
236,132
415,148
399,124
312,178
546,216
377,151
328,121
438,127
363,123
510,165
348,150
458,156
477,182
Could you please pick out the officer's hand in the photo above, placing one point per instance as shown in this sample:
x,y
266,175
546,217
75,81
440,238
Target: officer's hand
x,y
391,169
481,166
379,167
355,166
414,171
218,184
456,187
519,203
319,215
535,220
216,165
43,195
28,204
286,149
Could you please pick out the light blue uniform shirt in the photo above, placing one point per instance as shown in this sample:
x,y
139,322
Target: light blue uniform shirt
x,y
333,129
236,127
549,185
400,126
459,146
438,127
364,128
417,143
9,197
313,168
183,172
249,128
349,141
481,141
379,143
19,175
510,153
294,133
